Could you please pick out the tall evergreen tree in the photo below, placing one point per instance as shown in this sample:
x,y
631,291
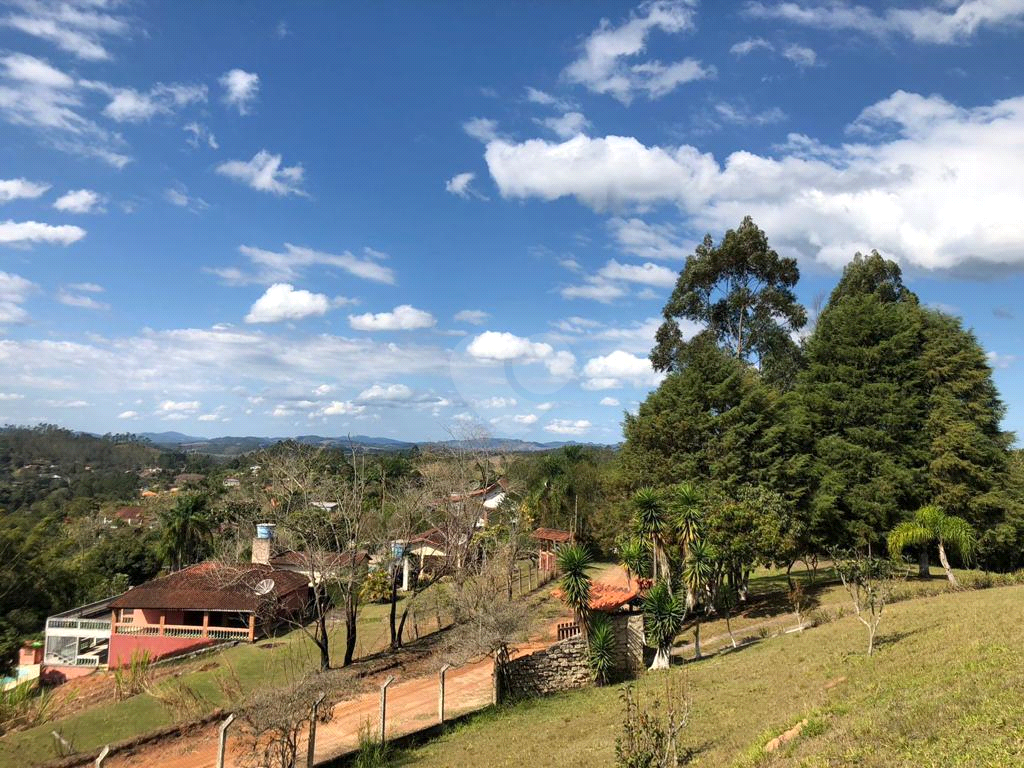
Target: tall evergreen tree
x,y
968,452
864,393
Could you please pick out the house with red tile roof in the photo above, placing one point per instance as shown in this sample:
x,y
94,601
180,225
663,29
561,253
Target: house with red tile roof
x,y
200,605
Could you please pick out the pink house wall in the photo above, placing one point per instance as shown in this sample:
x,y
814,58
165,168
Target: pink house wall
x,y
58,675
123,646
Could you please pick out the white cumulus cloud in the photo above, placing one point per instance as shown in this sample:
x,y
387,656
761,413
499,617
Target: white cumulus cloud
x,y
79,201
26,232
899,188
568,426
15,189
282,301
611,370
401,318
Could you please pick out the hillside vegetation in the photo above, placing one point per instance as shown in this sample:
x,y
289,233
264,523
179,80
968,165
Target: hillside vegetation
x,y
942,690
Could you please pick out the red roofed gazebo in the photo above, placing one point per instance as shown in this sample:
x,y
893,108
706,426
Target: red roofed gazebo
x,y
548,540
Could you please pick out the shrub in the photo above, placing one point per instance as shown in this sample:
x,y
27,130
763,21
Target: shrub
x,y
377,587
650,734
24,706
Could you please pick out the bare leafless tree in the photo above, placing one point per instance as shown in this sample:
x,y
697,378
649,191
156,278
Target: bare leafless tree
x,y
316,499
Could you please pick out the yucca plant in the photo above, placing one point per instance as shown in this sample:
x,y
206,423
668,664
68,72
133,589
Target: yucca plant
x,y
698,570
652,522
931,525
664,614
633,558
574,563
602,648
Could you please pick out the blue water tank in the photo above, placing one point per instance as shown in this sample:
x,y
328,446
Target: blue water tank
x,y
265,530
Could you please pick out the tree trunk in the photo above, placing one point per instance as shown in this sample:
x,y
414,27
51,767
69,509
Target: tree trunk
x,y
394,608
401,625
323,642
789,574
661,659
350,628
728,626
696,641
945,566
923,566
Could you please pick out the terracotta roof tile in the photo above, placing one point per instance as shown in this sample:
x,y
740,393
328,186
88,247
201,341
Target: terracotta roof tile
x,y
552,534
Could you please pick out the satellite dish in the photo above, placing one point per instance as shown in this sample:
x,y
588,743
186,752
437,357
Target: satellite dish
x,y
264,587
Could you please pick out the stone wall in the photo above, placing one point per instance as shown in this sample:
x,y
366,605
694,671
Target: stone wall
x,y
561,667
564,665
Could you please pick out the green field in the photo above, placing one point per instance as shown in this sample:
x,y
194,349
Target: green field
x,y
943,689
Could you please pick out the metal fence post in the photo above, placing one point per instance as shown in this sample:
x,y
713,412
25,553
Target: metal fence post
x,y
440,693
312,730
223,739
102,756
384,707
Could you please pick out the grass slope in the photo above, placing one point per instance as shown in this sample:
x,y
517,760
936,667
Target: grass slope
x,y
943,689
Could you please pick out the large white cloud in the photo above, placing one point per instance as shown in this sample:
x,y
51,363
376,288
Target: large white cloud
x,y
611,370
607,62
266,173
952,22
501,346
401,318
128,105
900,188
25,232
646,274
282,301
14,189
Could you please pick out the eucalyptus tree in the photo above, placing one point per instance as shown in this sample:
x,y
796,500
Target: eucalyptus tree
x,y
741,293
931,525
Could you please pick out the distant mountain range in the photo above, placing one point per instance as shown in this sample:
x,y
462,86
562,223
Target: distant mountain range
x,y
235,446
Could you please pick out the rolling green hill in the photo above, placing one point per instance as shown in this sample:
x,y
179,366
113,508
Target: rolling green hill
x,y
942,690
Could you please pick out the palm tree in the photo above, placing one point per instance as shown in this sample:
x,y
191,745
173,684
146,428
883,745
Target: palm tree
x,y
633,558
186,532
574,563
664,614
932,525
698,568
652,521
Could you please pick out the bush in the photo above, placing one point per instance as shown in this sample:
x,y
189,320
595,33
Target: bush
x,y
650,734
377,587
24,706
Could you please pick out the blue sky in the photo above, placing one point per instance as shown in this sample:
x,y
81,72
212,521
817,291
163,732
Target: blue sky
x,y
402,219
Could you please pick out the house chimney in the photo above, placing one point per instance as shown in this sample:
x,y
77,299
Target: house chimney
x,y
262,544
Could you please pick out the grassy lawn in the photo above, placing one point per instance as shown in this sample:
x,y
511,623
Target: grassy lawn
x,y
941,690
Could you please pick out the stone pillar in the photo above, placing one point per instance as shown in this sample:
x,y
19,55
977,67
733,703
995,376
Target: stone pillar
x,y
206,623
406,573
252,627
